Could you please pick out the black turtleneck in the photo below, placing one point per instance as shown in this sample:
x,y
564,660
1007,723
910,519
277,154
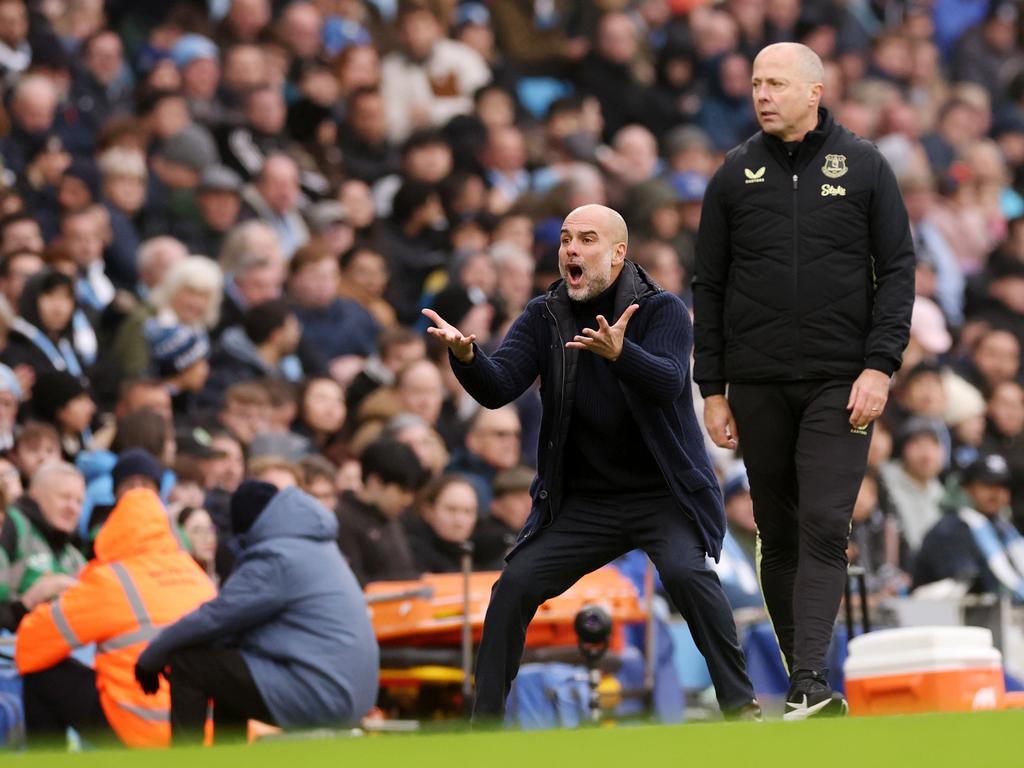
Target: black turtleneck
x,y
605,450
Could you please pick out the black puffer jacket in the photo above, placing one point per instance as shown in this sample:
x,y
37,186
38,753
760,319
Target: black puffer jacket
x,y
805,265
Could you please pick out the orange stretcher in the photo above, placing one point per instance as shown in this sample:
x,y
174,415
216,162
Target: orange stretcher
x,y
430,611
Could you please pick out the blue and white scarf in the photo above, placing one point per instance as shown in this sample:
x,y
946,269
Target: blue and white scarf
x,y
61,356
1002,547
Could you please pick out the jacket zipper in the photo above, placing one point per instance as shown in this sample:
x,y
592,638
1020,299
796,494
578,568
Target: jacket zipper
x,y
796,274
555,439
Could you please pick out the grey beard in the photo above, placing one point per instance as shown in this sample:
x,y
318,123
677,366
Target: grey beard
x,y
593,288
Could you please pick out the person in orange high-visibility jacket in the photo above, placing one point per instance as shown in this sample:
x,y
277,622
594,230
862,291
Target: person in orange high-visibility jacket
x,y
140,581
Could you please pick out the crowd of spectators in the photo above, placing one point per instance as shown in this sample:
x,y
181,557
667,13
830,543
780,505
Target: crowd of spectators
x,y
219,222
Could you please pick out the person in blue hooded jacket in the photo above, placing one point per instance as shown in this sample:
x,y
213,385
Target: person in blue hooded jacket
x,y
288,640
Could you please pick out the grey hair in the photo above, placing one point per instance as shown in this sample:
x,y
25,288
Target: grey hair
x,y
52,469
197,273
238,245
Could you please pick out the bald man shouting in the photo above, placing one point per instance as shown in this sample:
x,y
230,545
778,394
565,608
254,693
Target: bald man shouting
x,y
621,459
803,295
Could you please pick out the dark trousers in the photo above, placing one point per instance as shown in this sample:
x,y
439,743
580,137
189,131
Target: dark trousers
x,y
203,674
586,534
805,464
64,696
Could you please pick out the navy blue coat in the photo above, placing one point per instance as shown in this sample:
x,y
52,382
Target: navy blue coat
x,y
296,613
653,370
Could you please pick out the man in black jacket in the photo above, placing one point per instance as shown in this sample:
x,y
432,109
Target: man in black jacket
x,y
370,533
621,459
802,298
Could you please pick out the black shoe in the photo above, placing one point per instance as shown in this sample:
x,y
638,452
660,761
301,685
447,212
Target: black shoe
x,y
810,696
750,712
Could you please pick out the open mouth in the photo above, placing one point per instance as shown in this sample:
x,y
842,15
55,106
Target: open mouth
x,y
574,274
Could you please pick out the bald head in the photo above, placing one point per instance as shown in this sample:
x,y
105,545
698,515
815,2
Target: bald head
x,y
593,246
804,63
614,226
786,88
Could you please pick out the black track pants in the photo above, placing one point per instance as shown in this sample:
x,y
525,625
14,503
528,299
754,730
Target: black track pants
x,y
805,464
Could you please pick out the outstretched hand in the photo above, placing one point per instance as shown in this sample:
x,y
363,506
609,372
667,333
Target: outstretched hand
x,y
607,340
460,345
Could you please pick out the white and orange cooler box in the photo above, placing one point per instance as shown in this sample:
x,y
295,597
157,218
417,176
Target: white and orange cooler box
x,y
924,669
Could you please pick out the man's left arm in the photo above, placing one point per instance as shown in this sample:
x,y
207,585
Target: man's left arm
x,y
655,365
892,253
250,597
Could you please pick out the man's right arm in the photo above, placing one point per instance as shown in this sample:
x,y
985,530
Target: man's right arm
x,y
498,379
713,257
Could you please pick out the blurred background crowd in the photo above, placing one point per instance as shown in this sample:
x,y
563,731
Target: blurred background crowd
x,y
219,222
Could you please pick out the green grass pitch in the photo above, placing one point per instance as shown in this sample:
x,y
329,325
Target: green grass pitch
x,y
936,741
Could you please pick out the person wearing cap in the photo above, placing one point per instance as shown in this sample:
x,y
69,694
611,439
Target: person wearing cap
x,y
139,581
178,163
197,59
689,187
911,477
302,650
976,544
929,334
803,294
179,357
329,223
219,199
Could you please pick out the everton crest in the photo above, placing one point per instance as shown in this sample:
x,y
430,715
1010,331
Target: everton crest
x,y
835,166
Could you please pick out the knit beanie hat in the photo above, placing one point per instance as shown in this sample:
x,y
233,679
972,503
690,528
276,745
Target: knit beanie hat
x,y
137,461
248,502
174,348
